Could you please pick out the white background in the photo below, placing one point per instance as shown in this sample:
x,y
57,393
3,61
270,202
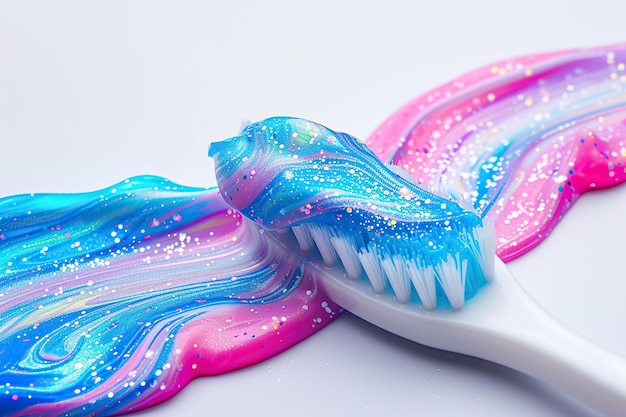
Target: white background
x,y
94,93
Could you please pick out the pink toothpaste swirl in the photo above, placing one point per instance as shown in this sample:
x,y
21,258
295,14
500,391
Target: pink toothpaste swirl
x,y
112,301
522,139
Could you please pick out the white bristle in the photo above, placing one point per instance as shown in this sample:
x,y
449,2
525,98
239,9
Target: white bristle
x,y
485,249
395,270
303,236
321,235
402,272
451,275
423,279
371,265
345,248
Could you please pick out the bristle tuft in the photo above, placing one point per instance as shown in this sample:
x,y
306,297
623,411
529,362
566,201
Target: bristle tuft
x,y
346,250
321,236
408,267
451,275
303,236
370,260
482,243
396,274
423,279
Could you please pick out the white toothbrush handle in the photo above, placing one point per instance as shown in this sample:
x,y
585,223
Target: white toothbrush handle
x,y
522,336
504,325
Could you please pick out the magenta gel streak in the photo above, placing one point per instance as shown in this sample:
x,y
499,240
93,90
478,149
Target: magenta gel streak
x,y
112,301
522,139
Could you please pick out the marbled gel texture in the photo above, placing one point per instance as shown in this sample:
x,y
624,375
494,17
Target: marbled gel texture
x,y
284,172
113,300
523,138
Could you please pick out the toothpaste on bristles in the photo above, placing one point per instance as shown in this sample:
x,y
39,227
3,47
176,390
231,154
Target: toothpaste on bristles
x,y
335,195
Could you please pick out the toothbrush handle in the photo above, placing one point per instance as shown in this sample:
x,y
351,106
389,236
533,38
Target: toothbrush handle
x,y
501,324
521,336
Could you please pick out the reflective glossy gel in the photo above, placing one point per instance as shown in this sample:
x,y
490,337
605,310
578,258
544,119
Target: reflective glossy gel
x,y
113,300
331,189
522,138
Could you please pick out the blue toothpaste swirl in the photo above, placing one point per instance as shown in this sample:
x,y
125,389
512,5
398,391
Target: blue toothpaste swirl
x,y
285,172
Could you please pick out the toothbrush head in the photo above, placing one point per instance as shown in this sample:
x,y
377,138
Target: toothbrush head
x,y
334,194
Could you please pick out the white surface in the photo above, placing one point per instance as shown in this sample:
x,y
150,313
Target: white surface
x,y
93,93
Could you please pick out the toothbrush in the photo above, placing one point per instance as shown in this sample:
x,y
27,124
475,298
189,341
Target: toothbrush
x,y
414,262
